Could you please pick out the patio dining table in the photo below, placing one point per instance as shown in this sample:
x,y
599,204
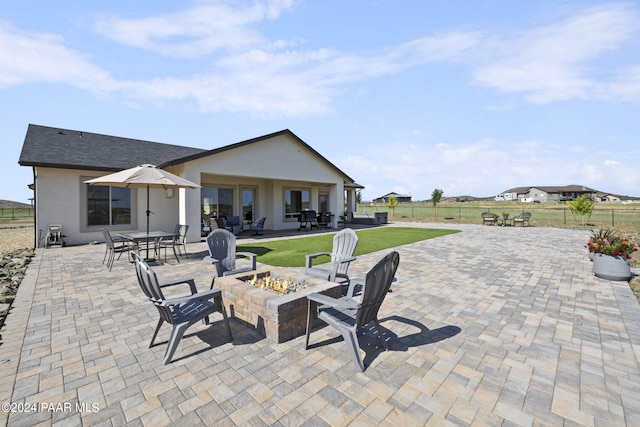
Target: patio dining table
x,y
147,237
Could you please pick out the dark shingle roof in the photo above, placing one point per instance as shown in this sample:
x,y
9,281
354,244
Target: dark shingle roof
x,y
70,149
63,148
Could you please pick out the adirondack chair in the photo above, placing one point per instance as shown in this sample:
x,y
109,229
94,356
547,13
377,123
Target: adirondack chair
x,y
344,245
347,315
222,254
179,312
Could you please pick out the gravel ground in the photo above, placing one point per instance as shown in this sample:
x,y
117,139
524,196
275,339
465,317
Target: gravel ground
x,y
15,235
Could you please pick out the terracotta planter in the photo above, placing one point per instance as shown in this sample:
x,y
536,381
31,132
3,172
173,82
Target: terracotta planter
x,y
611,267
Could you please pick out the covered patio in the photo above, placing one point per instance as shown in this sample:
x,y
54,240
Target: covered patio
x,y
487,327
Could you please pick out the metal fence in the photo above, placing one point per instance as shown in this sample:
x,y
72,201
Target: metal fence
x,y
622,217
16,213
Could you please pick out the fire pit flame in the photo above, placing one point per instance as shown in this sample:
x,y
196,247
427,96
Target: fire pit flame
x,y
276,284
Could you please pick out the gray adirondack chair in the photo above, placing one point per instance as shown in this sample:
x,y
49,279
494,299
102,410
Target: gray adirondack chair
x,y
344,245
347,315
222,254
179,312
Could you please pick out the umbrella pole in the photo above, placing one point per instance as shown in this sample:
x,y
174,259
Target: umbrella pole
x,y
148,221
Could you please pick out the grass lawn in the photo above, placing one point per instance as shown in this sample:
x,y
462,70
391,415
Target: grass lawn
x,y
292,252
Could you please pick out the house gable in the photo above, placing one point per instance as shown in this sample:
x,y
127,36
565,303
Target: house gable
x,y
275,155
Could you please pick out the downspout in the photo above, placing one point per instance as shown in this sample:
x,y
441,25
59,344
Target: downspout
x,y
35,210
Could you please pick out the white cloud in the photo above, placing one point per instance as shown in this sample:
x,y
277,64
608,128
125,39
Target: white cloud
x,y
30,57
248,72
551,63
197,31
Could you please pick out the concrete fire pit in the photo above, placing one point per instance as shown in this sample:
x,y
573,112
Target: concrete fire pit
x,y
279,317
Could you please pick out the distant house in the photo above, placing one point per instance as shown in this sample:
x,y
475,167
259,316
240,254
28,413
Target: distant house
x,y
607,198
546,193
401,198
506,197
274,176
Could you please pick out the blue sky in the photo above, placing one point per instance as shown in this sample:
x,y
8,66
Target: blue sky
x,y
471,97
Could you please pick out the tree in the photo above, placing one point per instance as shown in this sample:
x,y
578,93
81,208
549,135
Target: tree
x,y
436,196
582,205
392,204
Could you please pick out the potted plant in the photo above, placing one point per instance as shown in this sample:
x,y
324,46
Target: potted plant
x,y
612,252
598,236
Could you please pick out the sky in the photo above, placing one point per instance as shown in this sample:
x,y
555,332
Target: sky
x,y
471,97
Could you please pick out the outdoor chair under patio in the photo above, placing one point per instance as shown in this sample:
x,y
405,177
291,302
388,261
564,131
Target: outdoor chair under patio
x,y
258,226
344,245
308,220
180,312
347,315
113,247
222,254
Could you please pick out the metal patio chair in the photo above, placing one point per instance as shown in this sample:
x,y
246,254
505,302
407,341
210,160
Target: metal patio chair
x,y
178,241
113,247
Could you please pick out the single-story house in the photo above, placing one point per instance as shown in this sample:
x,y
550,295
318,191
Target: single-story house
x,y
274,176
607,198
546,193
401,198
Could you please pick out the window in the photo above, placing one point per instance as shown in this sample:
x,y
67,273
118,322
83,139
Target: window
x,y
323,202
248,205
108,205
295,201
216,202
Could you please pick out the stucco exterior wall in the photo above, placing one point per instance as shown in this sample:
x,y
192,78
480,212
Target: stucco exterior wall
x,y
60,199
267,166
270,167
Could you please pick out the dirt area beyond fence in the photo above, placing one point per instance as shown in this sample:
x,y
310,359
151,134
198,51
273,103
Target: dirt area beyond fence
x,y
16,235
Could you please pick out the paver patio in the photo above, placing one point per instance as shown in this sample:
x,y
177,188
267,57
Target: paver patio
x,y
491,326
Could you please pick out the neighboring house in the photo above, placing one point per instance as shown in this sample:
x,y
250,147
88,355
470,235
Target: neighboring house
x,y
607,198
546,193
273,176
402,198
506,197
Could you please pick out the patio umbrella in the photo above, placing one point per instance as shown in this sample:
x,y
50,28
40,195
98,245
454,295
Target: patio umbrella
x,y
143,176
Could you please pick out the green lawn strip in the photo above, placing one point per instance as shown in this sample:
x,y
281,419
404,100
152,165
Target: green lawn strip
x,y
292,252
